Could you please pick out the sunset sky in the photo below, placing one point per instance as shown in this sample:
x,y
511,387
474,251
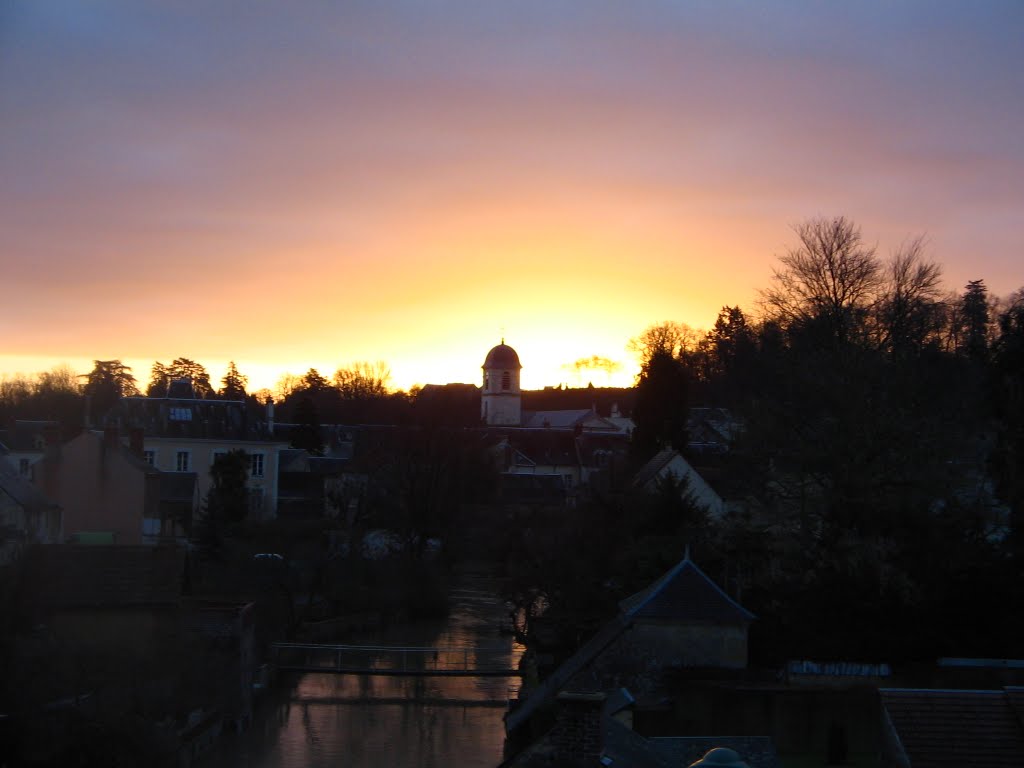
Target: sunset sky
x,y
296,185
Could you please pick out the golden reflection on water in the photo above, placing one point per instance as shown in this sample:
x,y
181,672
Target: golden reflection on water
x,y
328,720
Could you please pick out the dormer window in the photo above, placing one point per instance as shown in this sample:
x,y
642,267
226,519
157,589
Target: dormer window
x,y
181,414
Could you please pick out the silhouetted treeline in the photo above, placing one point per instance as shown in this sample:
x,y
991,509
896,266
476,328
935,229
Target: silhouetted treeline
x,y
875,474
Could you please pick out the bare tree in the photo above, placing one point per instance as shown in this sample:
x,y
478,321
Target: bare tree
x,y
829,281
263,395
60,379
15,390
363,380
910,310
287,383
594,363
672,338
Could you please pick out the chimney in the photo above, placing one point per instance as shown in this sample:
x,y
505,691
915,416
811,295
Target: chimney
x,y
136,439
578,736
270,415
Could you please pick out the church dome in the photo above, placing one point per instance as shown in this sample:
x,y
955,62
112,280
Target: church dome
x,y
502,356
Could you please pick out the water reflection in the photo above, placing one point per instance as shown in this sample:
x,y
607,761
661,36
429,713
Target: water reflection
x,y
374,720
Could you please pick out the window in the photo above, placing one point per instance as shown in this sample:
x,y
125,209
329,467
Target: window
x,y
183,461
180,414
256,464
149,457
506,380
216,455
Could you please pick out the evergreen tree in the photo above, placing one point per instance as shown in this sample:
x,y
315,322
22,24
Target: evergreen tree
x,y
306,434
1008,459
108,382
314,382
181,368
227,501
159,378
974,310
662,405
233,384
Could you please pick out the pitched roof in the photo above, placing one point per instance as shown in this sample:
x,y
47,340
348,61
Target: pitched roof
x,y
186,417
939,728
685,593
555,419
565,671
655,466
24,493
544,447
682,594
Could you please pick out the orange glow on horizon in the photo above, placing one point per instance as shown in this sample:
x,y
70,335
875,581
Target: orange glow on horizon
x,y
556,174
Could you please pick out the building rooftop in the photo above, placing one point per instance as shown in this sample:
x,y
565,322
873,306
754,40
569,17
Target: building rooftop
x,y
938,728
685,593
502,356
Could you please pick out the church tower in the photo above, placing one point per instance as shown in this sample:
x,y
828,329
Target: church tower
x,y
501,400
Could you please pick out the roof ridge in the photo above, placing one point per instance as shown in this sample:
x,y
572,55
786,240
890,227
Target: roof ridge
x,y
655,589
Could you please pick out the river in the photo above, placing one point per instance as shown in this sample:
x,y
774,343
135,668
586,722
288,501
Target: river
x,y
316,720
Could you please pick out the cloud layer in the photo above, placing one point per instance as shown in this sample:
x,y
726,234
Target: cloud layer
x,y
328,184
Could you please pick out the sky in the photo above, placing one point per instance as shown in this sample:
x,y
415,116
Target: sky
x,y
311,184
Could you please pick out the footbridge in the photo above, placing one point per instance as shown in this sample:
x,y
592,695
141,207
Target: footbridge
x,y
393,660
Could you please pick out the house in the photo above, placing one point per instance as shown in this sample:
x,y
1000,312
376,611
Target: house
x,y
109,632
306,483
26,515
24,443
711,431
540,453
184,434
550,466
106,491
179,500
669,463
682,620
926,728
577,420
